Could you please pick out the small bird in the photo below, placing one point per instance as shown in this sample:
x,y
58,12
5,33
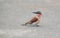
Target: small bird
x,y
35,19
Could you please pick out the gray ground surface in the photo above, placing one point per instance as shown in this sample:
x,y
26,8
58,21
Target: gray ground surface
x,y
13,13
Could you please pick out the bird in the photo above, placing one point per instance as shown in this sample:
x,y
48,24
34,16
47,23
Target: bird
x,y
35,19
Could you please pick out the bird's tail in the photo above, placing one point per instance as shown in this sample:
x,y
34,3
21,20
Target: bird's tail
x,y
28,23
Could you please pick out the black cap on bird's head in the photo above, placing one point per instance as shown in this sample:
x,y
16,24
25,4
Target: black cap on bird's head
x,y
38,12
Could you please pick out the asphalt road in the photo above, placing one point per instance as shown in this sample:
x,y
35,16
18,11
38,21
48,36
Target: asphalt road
x,y
13,13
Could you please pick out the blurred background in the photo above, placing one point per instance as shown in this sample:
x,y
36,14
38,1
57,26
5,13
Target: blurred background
x,y
13,13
